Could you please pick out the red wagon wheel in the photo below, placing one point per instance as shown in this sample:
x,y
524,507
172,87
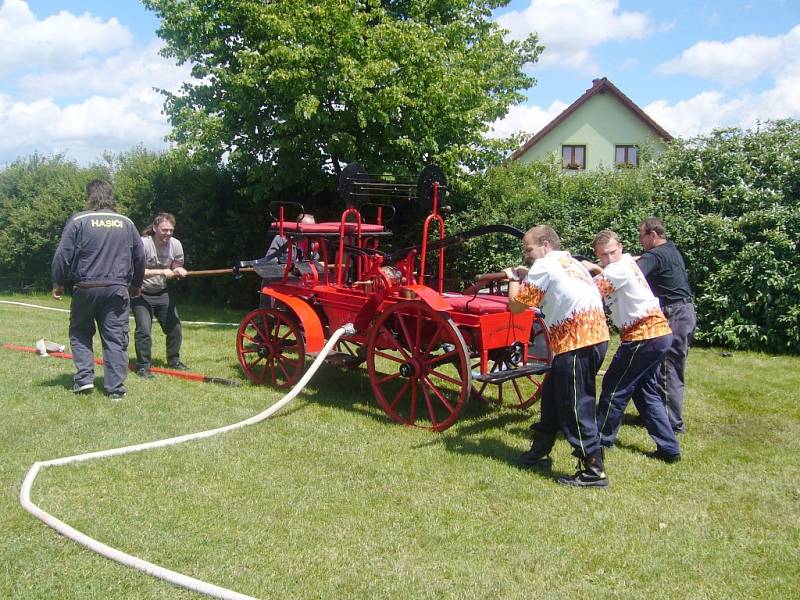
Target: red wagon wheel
x,y
520,392
270,347
418,366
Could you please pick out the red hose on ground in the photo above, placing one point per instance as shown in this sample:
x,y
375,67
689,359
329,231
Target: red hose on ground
x,y
189,375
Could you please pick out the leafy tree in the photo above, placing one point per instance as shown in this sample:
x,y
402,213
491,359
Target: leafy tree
x,y
291,90
730,202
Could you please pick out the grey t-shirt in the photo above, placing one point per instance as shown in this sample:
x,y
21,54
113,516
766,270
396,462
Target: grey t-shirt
x,y
168,257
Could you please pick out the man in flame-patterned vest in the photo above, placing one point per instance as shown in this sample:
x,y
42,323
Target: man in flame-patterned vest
x,y
645,337
573,312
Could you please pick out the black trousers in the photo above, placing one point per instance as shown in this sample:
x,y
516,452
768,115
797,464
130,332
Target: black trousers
x,y
108,307
568,399
634,370
160,306
671,374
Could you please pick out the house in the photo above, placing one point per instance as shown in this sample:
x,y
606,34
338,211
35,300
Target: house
x,y
601,128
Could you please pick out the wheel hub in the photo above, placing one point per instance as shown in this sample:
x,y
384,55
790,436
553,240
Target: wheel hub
x,y
407,369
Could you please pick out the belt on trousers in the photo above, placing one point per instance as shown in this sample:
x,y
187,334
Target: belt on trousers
x,y
164,291
86,286
688,300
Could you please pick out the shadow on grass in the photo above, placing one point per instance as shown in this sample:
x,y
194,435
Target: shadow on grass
x,y
65,382
631,448
336,388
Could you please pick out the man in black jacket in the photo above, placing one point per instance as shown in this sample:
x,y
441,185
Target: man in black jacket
x,y
103,252
665,271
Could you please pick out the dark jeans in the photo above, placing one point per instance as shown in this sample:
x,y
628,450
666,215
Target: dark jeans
x,y
671,375
109,308
160,306
635,369
568,399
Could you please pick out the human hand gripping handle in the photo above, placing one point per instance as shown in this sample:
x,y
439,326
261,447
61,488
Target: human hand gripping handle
x,y
516,273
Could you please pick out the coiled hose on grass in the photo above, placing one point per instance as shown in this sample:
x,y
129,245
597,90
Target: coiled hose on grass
x,y
132,561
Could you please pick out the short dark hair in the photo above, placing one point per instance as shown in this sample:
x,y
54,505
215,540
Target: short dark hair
x,y
99,194
544,233
652,224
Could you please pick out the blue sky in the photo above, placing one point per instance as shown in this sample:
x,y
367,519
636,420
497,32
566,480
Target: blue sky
x,y
77,76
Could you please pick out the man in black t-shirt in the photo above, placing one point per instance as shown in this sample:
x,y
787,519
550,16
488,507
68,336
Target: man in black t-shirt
x,y
665,271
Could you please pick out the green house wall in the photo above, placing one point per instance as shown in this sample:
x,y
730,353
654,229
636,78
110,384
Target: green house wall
x,y
600,124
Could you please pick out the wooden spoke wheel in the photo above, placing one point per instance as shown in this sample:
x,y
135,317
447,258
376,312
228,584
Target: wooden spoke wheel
x,y
271,348
519,392
418,366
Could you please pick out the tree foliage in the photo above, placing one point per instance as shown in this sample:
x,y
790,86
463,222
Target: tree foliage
x,y
732,200
37,194
290,90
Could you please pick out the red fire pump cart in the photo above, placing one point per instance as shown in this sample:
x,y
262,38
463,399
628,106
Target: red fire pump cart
x,y
427,350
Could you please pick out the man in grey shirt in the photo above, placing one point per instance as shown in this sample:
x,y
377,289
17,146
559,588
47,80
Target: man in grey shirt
x,y
165,258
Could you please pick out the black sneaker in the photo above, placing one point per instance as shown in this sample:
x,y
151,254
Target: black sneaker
x,y
667,458
145,373
178,365
115,396
584,479
590,473
86,388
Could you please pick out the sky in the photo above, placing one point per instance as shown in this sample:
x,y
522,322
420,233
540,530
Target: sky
x,y
79,77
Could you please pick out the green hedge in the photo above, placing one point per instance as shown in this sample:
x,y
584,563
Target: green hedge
x,y
729,201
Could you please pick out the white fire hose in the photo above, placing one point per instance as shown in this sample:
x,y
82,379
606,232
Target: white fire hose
x,y
132,561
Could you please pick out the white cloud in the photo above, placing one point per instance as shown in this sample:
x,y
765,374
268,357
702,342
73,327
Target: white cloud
x,y
733,65
55,41
86,86
112,75
742,60
525,118
571,28
83,129
709,110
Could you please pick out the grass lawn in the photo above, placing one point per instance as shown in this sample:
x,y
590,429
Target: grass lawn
x,y
330,499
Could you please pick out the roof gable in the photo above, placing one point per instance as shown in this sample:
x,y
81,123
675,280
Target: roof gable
x,y
599,86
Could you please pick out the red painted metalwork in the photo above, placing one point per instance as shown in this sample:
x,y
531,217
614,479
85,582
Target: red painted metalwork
x,y
418,366
427,351
312,328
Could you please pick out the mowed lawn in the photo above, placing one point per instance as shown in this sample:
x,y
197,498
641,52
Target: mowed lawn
x,y
329,499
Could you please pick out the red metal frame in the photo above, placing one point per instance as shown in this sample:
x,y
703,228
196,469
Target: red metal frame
x,y
361,290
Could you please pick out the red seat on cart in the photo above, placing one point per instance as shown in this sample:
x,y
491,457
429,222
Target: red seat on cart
x,y
480,305
326,227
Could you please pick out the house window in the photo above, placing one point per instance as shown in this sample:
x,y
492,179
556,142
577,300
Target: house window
x,y
573,157
626,156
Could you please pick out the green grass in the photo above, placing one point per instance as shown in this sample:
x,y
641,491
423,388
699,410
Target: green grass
x,y
330,499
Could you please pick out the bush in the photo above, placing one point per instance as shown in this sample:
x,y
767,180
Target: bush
x,y
37,194
728,200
